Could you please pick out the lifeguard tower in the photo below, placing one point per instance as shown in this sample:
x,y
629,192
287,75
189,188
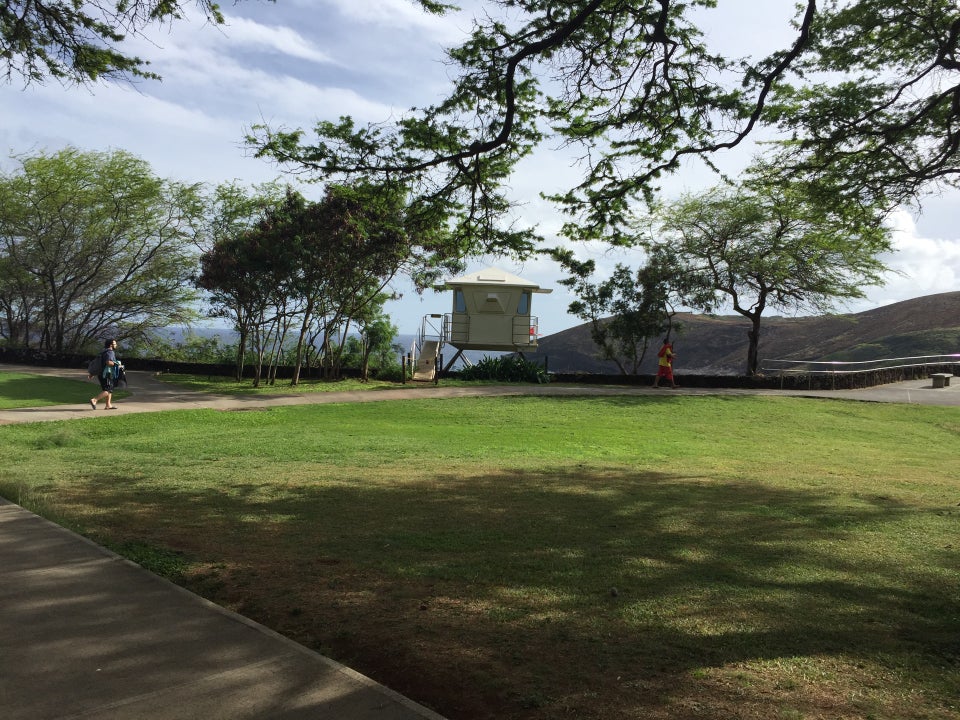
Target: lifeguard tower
x,y
491,311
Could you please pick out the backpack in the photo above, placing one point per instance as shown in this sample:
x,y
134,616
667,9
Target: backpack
x,y
95,366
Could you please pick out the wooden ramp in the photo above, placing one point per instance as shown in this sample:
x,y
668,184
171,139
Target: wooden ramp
x,y
426,368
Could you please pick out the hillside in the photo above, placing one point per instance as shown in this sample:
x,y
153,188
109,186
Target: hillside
x,y
717,345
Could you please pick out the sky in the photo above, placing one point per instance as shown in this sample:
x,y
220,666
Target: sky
x,y
294,62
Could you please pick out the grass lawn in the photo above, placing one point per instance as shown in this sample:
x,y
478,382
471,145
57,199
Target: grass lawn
x,y
617,557
20,390
222,385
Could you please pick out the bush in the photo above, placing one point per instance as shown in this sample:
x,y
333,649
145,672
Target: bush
x,y
389,373
506,368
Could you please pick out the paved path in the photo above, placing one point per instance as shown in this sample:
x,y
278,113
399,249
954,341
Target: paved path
x,y
87,635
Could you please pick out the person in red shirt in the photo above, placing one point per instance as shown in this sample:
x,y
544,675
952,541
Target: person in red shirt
x,y
665,364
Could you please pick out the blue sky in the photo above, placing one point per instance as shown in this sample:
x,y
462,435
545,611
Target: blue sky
x,y
296,61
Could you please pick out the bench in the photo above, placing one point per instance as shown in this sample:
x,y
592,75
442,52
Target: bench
x,y
941,380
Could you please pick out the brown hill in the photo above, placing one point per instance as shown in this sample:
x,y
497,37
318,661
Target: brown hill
x,y
717,345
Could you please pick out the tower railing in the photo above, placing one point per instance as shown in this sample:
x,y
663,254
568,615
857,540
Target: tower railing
x,y
525,331
432,327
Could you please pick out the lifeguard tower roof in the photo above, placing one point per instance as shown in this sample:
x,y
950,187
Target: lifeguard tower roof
x,y
493,276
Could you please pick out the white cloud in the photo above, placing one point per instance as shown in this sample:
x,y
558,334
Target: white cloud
x,y
239,35
403,15
274,38
920,265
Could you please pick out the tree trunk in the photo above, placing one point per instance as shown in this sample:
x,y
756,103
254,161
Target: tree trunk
x,y
241,351
752,351
307,316
365,365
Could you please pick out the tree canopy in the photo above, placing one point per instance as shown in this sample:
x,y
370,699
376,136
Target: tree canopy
x,y
865,98
325,265
768,246
80,42
92,245
624,311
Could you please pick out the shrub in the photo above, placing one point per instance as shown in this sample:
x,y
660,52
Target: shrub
x,y
506,368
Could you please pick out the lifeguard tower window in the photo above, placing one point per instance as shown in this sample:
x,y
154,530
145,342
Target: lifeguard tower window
x,y
524,307
492,304
459,302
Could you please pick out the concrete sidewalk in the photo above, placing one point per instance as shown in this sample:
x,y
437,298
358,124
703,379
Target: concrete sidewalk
x,y
87,634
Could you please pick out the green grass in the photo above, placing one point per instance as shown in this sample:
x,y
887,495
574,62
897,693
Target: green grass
x,y
19,390
656,557
219,385
228,386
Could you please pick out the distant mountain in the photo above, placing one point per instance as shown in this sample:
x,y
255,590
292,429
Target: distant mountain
x,y
717,345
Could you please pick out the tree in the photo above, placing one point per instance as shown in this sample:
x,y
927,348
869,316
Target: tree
x,y
234,208
624,311
372,347
237,265
20,302
882,118
869,91
95,245
78,42
244,275
376,337
320,264
354,242
631,306
767,245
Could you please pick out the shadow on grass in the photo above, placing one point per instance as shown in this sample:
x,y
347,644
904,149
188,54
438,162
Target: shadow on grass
x,y
534,593
69,611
